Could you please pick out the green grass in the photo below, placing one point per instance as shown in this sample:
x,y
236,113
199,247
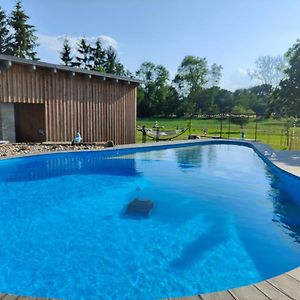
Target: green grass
x,y
269,131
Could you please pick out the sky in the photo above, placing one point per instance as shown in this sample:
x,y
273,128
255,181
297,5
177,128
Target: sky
x,y
232,33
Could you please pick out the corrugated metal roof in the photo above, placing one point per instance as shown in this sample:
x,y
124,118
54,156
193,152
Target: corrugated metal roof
x,y
13,59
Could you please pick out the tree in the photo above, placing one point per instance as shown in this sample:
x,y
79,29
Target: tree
x,y
286,99
190,80
268,70
84,59
240,115
192,75
4,33
112,64
65,54
173,106
23,40
224,101
154,89
260,104
215,75
98,57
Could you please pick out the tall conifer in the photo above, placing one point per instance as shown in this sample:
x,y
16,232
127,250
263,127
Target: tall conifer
x,y
98,56
66,53
4,33
23,39
84,59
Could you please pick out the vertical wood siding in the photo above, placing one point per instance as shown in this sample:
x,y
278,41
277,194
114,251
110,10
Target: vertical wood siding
x,y
99,109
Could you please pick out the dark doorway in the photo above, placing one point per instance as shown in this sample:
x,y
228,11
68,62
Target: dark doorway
x,y
30,122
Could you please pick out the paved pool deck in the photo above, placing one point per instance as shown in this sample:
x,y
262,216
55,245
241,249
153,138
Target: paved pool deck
x,y
286,160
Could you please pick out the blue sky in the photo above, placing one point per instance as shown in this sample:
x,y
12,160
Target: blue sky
x,y
232,33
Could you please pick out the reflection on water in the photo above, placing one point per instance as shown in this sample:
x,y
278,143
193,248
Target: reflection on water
x,y
49,166
286,210
189,157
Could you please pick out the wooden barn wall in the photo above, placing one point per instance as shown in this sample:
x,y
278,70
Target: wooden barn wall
x,y
99,109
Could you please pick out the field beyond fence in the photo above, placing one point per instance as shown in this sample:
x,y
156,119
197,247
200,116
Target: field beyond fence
x,y
269,131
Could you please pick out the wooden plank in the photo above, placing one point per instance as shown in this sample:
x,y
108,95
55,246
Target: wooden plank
x,y
247,293
225,295
287,284
10,297
270,291
187,298
295,273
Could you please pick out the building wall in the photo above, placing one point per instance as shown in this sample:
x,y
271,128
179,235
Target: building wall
x,y
99,109
7,122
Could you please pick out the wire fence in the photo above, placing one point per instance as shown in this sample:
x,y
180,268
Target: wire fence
x,y
279,134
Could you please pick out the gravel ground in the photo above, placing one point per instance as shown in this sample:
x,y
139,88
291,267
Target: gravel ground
x,y
22,148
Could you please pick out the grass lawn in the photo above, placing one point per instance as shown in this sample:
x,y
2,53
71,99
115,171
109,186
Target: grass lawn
x,y
269,131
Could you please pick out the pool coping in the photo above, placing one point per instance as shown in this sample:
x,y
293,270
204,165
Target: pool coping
x,y
284,286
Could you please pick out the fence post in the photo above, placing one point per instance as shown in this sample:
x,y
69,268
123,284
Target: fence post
x,y
190,126
229,125
221,126
255,137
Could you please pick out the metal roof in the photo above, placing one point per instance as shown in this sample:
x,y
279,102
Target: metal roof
x,y
12,59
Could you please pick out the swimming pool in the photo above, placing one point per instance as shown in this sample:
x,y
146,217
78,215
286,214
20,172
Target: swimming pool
x,y
222,218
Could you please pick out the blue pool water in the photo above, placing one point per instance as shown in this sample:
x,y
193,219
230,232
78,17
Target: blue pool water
x,y
221,219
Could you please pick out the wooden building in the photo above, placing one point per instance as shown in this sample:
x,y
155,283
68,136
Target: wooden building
x,y
41,102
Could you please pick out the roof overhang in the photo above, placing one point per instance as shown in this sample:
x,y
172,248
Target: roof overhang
x,y
7,61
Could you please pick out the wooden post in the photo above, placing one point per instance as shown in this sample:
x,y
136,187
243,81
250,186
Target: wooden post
x,y
190,126
229,117
221,126
255,138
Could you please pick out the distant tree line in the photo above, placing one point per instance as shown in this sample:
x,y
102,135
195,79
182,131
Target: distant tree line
x,y
195,90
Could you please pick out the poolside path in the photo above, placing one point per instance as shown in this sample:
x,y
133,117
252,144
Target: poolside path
x,y
283,287
286,160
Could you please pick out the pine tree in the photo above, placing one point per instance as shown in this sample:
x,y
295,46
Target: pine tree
x,y
111,60
65,54
23,40
112,64
98,57
85,59
4,33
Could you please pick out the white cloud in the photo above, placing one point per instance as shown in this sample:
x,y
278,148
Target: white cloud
x,y
236,78
54,43
242,71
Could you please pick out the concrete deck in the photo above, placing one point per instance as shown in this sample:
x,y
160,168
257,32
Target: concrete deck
x,y
286,160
